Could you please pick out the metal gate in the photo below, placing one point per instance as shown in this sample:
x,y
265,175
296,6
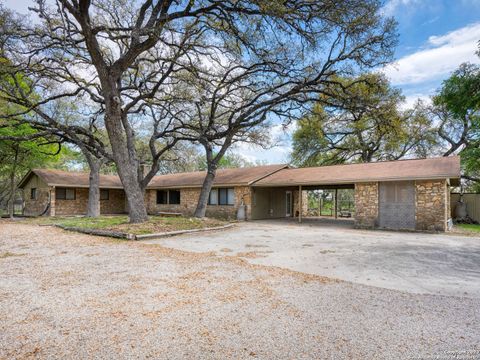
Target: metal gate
x,y
397,205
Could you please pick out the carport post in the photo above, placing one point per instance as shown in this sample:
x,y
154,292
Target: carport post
x,y
336,199
300,205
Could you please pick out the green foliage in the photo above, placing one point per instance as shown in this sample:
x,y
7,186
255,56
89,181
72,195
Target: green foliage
x,y
460,97
20,150
360,121
474,228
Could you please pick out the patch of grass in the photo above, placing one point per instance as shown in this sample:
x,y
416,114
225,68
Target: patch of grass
x,y
155,224
8,254
470,227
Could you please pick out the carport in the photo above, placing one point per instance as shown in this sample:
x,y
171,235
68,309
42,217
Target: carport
x,y
285,201
401,195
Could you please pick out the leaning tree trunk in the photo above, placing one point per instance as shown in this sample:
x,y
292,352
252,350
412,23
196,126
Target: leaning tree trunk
x,y
212,164
204,193
93,207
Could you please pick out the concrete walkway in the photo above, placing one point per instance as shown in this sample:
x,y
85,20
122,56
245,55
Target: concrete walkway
x,y
413,262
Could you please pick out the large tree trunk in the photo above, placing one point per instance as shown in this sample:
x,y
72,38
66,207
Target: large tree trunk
x,y
13,186
123,148
204,193
212,164
93,207
11,199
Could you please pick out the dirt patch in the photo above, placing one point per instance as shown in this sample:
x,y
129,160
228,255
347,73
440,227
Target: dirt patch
x,y
72,295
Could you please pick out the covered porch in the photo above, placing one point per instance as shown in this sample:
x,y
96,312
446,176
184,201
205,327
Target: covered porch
x,y
304,202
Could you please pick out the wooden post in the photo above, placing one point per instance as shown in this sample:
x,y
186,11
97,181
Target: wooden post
x,y
335,203
319,203
300,205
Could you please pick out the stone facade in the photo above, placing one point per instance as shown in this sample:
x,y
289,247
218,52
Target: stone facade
x,y
188,203
432,205
46,202
37,206
78,206
114,205
296,203
366,205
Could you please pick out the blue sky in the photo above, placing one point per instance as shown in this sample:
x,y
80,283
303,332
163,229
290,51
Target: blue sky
x,y
436,36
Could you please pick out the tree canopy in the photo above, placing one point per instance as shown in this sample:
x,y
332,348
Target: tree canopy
x,y
122,59
360,120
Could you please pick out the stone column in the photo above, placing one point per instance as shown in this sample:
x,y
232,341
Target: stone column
x,y
366,204
52,201
431,205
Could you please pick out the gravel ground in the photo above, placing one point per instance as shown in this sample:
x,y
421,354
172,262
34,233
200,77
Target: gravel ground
x,y
65,295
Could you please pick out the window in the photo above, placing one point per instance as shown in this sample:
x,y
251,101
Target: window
x,y
174,197
33,193
65,194
223,196
168,197
162,197
104,194
213,197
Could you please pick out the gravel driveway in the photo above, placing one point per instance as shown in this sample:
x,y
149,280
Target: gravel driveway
x,y
65,295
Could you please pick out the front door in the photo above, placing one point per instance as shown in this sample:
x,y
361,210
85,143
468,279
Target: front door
x,y
288,204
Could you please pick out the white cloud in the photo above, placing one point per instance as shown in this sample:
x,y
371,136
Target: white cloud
x,y
391,6
445,54
278,154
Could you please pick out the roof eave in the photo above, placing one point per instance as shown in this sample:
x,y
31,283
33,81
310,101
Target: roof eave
x,y
194,186
353,181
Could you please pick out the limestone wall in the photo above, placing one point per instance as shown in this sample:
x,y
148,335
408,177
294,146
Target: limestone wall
x,y
73,207
188,203
296,203
115,203
35,207
432,205
366,204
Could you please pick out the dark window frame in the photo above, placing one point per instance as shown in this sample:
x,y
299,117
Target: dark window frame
x,y
64,197
176,198
160,199
166,198
104,191
33,194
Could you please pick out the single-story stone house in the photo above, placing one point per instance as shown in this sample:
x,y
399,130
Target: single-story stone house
x,y
403,194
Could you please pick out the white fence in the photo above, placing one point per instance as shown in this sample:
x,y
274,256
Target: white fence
x,y
473,204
